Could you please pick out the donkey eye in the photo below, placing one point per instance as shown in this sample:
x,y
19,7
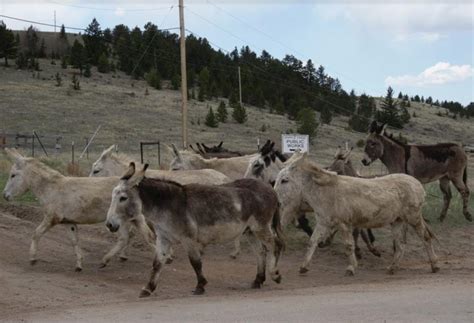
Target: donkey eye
x,y
123,198
96,171
284,180
13,175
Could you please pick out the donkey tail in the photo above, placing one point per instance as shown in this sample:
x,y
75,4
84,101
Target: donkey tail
x,y
276,225
432,235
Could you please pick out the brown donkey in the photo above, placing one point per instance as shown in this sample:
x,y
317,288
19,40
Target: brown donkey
x,y
427,163
197,215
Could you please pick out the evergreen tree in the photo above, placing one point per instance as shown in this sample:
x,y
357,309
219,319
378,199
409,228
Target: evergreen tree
x,y
211,120
21,61
326,114
204,84
306,121
175,81
400,96
78,55
239,114
364,114
8,45
390,112
62,33
42,49
64,62
153,79
32,41
94,42
222,112
103,64
87,70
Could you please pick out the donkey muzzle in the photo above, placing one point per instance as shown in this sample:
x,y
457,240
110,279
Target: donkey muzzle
x,y
112,226
366,162
6,196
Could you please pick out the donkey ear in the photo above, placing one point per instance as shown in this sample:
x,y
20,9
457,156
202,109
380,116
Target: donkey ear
x,y
130,172
176,152
272,145
338,152
347,154
382,129
13,154
220,144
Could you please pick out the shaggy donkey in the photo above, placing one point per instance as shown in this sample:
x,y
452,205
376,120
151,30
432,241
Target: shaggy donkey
x,y
342,165
343,202
197,215
66,200
444,162
112,164
233,167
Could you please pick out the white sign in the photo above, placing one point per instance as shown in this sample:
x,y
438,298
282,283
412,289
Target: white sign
x,y
292,143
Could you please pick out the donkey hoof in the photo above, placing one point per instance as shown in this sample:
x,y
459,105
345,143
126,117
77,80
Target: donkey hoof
x,y
349,272
198,291
277,279
103,265
468,217
233,256
168,261
256,284
78,269
376,253
33,262
390,270
144,293
123,259
434,269
303,270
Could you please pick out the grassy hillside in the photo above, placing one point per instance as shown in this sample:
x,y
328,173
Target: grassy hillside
x,y
128,115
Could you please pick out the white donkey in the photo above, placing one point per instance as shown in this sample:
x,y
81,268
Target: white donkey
x,y
343,202
112,164
66,200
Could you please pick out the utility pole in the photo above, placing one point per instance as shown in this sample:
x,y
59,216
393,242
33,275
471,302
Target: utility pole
x,y
184,82
240,88
54,21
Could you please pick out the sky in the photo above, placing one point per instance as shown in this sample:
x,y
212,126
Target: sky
x,y
423,47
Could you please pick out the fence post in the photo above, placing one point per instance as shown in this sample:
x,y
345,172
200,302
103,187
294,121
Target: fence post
x,y
72,153
87,147
141,152
159,154
33,146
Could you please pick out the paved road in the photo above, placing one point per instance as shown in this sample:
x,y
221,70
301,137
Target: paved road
x,y
445,301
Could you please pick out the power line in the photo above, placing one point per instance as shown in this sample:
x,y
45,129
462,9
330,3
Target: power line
x,y
109,9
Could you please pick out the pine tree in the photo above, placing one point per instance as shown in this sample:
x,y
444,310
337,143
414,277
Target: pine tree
x,y
8,45
204,88
306,121
211,120
175,81
32,41
64,62
326,114
78,55
103,64
42,49
87,70
153,79
400,96
239,114
390,112
222,112
94,42
365,111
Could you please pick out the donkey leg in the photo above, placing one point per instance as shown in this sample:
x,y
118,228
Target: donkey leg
x,y
398,229
75,244
120,245
346,235
355,234
463,189
44,226
236,251
426,236
320,233
273,251
161,249
445,187
261,253
194,255
368,238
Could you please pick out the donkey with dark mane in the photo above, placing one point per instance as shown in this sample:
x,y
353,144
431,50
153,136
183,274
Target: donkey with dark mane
x,y
197,215
446,162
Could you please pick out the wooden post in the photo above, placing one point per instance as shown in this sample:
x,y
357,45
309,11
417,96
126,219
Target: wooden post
x,y
184,82
72,152
32,146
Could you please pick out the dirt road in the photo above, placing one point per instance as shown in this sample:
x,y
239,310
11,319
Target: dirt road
x,y
438,301
52,291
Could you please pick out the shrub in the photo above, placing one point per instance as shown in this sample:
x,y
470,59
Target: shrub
x,y
75,83
211,120
153,79
58,79
360,143
222,112
239,114
87,70
306,121
103,64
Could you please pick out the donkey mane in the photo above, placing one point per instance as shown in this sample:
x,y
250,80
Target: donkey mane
x,y
41,167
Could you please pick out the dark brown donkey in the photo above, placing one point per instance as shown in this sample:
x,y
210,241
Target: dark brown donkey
x,y
444,162
197,215
216,151
342,165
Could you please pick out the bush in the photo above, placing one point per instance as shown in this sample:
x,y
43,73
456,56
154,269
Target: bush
x,y
87,70
153,79
64,62
222,112
58,79
239,114
211,120
306,121
360,143
76,85
175,81
103,64
21,61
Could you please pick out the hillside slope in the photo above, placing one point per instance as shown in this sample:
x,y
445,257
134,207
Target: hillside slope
x,y
128,115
